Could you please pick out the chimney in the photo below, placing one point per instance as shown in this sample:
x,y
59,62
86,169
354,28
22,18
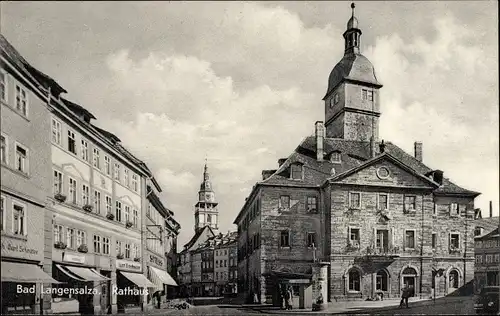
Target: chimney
x,y
382,147
372,147
438,177
418,151
491,208
320,136
281,161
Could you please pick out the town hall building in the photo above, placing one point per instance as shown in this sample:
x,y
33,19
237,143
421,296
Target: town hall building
x,y
376,217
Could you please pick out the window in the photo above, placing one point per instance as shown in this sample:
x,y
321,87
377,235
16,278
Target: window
x,y
478,231
435,210
225,263
70,238
354,280
21,159
354,200
127,251
135,218
19,220
3,85
117,172
97,201
134,183
2,212
479,258
105,245
382,202
107,165
125,177
285,238
489,258
85,150
85,194
382,279
81,238
382,241
21,100
434,240
336,157
118,247
311,240
311,205
454,241
410,203
296,171
216,275
354,237
108,205
127,213
95,158
497,258
453,279
3,149
216,263
336,98
118,211
97,244
71,142
284,202
56,131
367,94
58,182
410,239
72,190
454,209
135,251
58,233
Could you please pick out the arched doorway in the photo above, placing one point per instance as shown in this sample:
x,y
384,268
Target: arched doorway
x,y
382,281
354,280
453,281
409,279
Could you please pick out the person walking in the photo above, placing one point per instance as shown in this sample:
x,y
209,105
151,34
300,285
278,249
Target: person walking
x,y
404,297
288,298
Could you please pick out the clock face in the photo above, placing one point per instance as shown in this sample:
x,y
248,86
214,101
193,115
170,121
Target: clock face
x,y
207,196
207,185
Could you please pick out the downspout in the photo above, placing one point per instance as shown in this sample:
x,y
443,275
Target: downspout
x,y
421,249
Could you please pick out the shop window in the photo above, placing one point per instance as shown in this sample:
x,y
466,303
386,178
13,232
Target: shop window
x,y
382,280
354,280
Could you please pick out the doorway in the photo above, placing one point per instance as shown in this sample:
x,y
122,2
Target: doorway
x,y
106,293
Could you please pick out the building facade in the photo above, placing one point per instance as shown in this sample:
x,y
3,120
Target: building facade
x,y
25,185
376,215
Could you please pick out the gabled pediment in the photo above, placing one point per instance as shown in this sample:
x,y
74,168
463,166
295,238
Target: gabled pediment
x,y
384,170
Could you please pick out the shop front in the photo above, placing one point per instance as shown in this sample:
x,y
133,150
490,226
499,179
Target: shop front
x,y
160,277
23,279
132,287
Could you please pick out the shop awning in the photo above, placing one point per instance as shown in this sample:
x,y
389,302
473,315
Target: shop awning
x,y
81,274
161,277
139,279
24,273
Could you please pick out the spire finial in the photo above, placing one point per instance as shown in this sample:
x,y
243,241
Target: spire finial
x,y
352,7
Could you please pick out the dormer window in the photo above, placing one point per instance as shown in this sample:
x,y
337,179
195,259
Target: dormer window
x,y
296,171
336,157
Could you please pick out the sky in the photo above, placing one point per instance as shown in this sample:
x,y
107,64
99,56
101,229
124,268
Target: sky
x,y
242,83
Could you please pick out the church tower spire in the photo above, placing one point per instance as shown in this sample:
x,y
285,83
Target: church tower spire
x,y
352,35
206,213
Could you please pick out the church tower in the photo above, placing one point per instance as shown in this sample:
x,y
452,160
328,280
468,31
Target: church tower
x,y
206,213
352,105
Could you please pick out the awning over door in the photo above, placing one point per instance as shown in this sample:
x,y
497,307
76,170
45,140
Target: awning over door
x,y
81,274
139,279
24,273
160,277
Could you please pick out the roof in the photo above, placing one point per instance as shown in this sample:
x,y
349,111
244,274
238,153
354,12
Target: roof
x,y
352,67
219,240
196,236
77,109
487,223
491,234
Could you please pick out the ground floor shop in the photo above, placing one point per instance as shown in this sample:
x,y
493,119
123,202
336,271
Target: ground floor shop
x,y
164,283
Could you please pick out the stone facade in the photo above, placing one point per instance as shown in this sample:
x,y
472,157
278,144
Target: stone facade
x,y
487,260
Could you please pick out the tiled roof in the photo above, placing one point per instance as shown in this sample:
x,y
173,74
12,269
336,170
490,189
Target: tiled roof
x,y
77,109
487,223
195,237
491,234
353,154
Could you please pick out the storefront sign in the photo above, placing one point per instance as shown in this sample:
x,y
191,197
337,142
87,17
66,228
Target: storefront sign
x,y
73,258
9,246
128,265
156,260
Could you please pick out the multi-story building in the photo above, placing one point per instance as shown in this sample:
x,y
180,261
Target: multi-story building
x,y
158,238
25,161
378,216
226,261
487,252
172,228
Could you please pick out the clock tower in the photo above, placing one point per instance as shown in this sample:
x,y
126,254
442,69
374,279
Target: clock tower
x,y
206,213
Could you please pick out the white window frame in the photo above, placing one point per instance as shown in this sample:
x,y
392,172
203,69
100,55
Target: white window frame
x,y
70,197
128,251
81,238
69,237
283,208
414,239
26,160
119,247
59,231
84,148
378,201
135,218
127,213
85,194
479,259
350,200
4,211
135,186
289,238
120,204
56,128
301,171
25,218
489,258
116,172
454,213
354,242
106,245
107,165
98,242
336,157
308,209
6,149
60,185
6,86
96,159
411,210
126,178
22,88
72,136
109,207
459,248
97,201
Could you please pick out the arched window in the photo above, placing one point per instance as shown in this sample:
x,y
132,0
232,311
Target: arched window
x,y
409,271
382,280
453,278
354,280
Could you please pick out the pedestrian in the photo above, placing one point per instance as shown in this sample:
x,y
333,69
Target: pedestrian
x,y
288,298
404,297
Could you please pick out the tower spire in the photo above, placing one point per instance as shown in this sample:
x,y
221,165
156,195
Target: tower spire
x,y
352,34
352,8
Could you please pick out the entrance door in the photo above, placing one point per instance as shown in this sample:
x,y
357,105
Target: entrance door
x,y
106,294
409,282
453,281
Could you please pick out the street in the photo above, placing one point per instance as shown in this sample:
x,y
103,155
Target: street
x,y
211,310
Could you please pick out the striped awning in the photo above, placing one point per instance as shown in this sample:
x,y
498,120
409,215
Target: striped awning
x,y
24,273
160,277
139,279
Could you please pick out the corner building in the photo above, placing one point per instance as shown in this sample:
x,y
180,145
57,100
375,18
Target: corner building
x,y
376,217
